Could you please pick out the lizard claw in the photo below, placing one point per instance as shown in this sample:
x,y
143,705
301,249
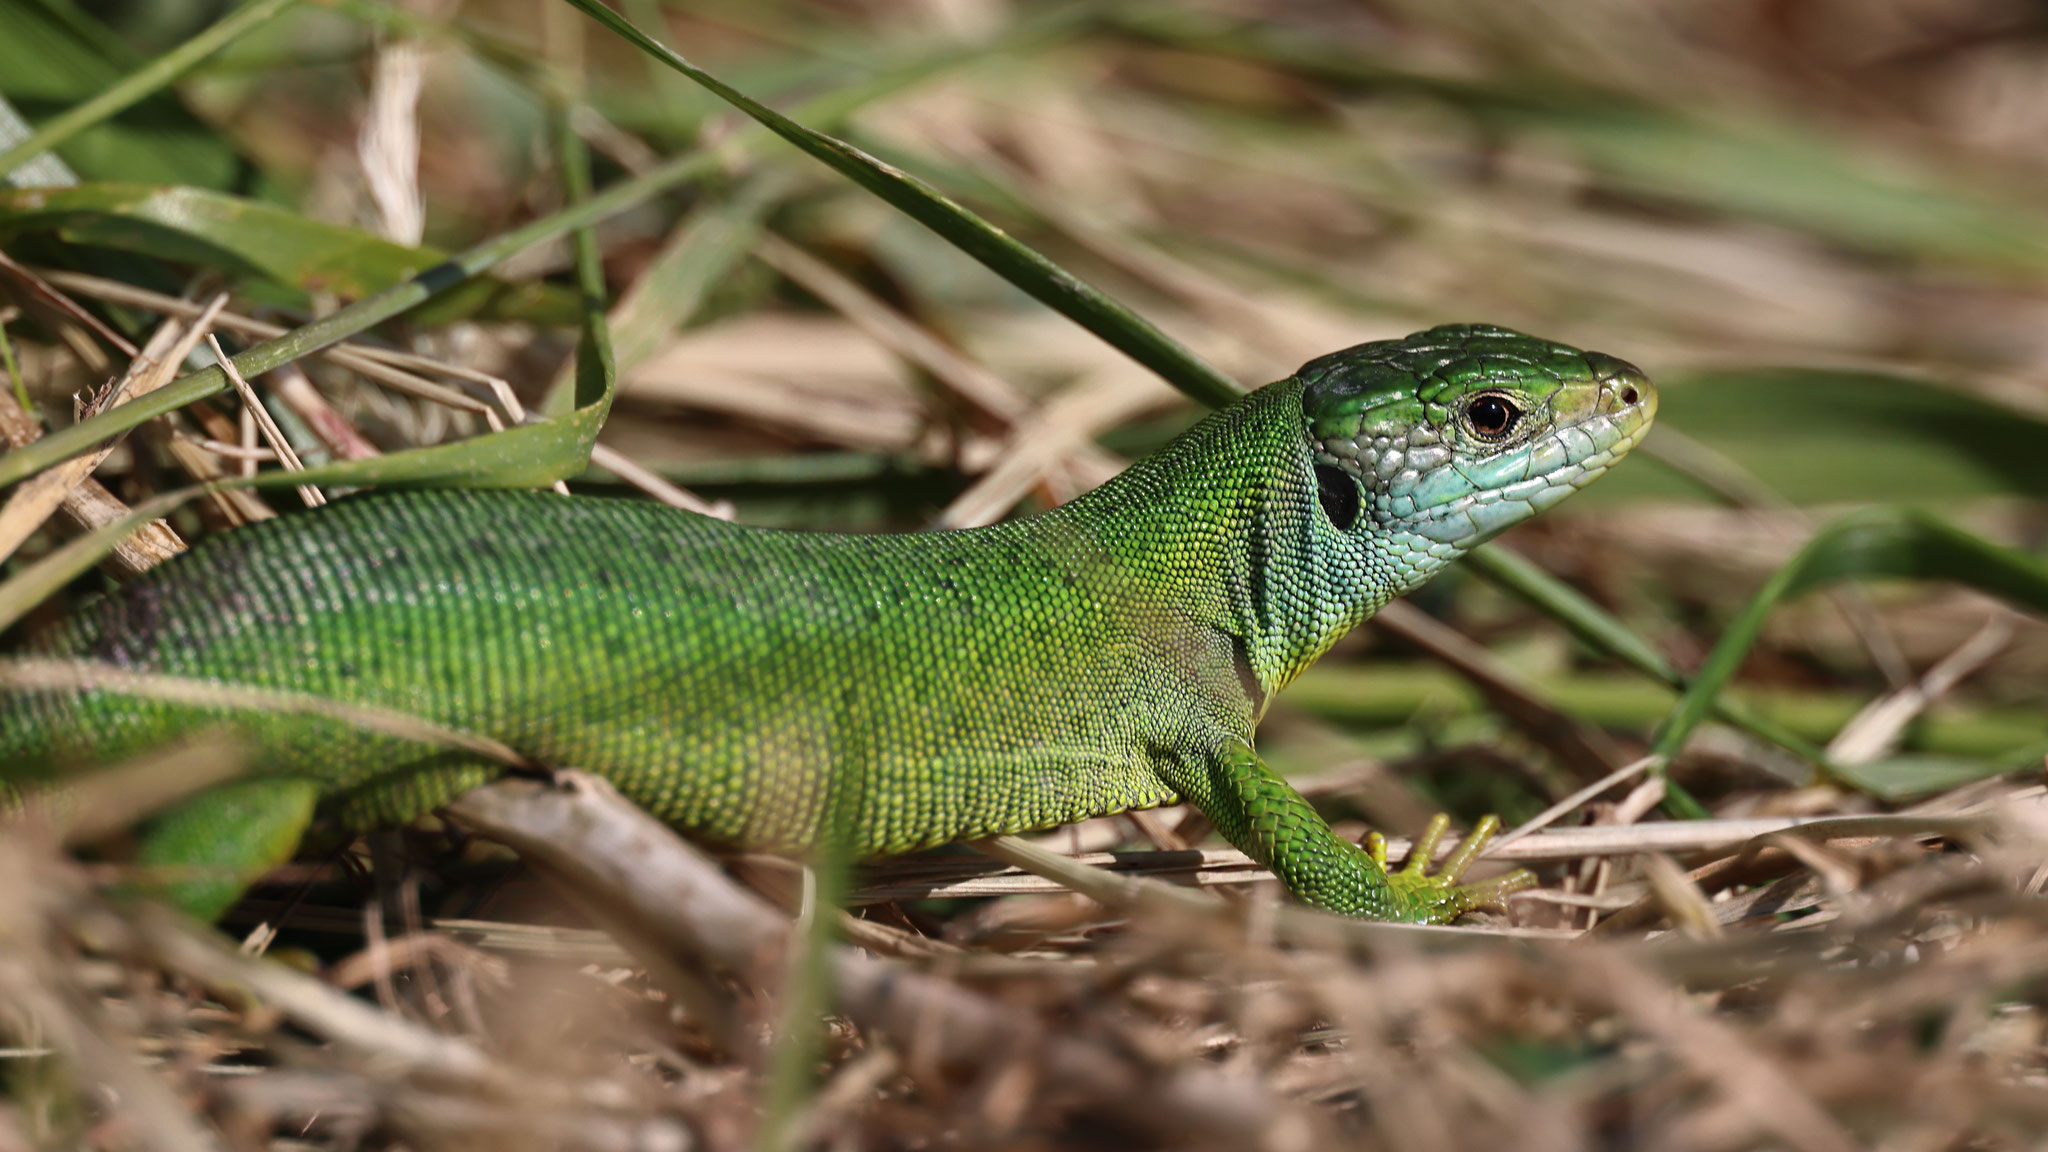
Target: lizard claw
x,y
1429,899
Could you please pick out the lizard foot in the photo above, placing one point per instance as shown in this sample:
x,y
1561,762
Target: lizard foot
x,y
1428,899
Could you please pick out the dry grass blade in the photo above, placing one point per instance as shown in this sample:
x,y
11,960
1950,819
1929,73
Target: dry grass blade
x,y
34,501
1757,1088
252,406
615,855
340,437
967,379
41,998
1045,440
650,482
44,295
91,505
1877,728
42,674
825,381
1570,803
89,807
327,1011
401,371
1585,749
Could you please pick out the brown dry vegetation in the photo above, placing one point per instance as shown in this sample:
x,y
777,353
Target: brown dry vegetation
x,y
1817,224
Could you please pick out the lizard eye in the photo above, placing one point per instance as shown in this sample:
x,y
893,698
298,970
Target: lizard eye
x,y
1492,416
1338,493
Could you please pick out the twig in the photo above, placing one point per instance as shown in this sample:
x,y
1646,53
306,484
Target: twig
x,y
610,853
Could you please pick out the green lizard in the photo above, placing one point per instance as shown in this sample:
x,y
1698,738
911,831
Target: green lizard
x,y
1111,654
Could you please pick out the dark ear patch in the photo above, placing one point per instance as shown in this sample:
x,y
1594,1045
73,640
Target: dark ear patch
x,y
1338,494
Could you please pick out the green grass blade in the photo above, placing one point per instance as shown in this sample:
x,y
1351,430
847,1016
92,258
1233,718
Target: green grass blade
x,y
53,56
1015,262
596,368
534,454
1899,779
1896,543
716,239
1819,437
1604,634
138,85
1388,697
251,238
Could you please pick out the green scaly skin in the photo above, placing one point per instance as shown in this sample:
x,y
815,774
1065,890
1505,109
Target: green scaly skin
x,y
1112,654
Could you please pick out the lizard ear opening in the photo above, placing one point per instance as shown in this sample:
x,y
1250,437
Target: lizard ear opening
x,y
1338,494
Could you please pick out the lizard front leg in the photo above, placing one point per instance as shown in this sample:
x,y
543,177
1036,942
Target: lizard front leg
x,y
1265,817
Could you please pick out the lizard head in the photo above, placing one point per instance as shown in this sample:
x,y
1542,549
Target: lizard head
x,y
1436,442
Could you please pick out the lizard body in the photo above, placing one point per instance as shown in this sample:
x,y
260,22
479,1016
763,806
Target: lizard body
x,y
741,683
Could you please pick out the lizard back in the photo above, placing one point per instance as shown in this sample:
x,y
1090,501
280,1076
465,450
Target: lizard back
x,y
966,682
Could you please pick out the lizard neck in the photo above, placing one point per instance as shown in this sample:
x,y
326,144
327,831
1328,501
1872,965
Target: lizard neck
x,y
1224,526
